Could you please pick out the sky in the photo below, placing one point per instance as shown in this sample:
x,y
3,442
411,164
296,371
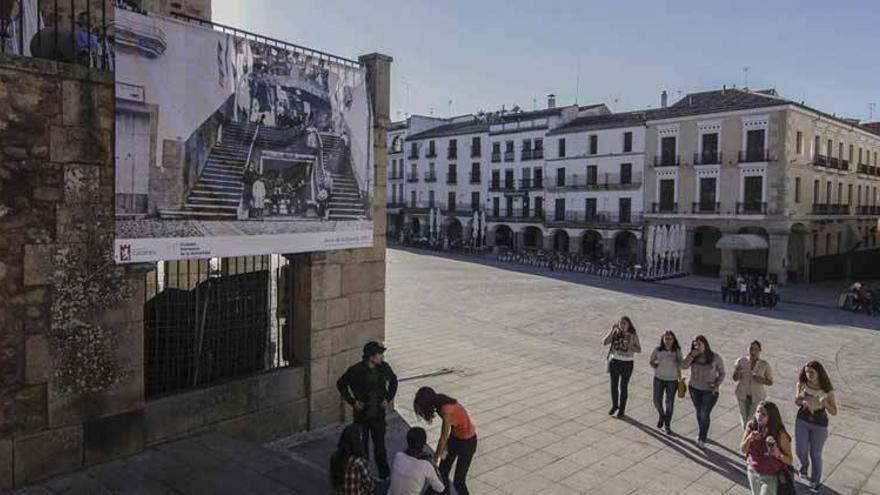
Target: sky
x,y
453,57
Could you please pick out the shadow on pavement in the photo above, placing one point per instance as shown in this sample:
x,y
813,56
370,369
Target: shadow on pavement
x,y
791,311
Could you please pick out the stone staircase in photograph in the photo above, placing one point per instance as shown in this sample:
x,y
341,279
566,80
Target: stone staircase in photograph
x,y
345,200
217,194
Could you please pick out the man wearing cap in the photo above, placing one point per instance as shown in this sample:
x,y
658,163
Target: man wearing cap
x,y
369,387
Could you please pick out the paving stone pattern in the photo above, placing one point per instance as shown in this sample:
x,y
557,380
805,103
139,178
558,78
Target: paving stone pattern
x,y
525,346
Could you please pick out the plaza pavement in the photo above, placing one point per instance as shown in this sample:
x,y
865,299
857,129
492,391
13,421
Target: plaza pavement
x,y
524,344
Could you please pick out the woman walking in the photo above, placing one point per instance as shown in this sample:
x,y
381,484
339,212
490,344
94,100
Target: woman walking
x,y
624,343
767,447
666,361
348,465
707,373
458,437
816,400
752,374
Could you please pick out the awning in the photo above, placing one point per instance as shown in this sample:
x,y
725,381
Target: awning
x,y
742,242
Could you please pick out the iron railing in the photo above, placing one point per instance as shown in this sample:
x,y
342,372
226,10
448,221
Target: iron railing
x,y
451,178
587,217
868,210
529,184
753,156
496,157
667,160
751,208
412,177
708,158
516,215
604,181
59,30
664,207
430,177
475,177
705,208
830,209
509,156
209,321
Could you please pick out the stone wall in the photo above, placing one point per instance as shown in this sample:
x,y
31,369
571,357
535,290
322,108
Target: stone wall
x,y
71,321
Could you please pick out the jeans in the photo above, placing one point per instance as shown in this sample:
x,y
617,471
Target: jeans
x,y
762,484
463,451
747,408
667,387
375,428
704,401
621,371
809,439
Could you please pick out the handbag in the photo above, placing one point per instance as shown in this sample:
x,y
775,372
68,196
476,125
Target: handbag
x,y
785,478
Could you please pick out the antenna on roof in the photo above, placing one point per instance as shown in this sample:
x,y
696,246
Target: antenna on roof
x,y
450,108
871,108
577,90
746,78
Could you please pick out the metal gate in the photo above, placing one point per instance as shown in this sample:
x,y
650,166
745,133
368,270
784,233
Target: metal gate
x,y
207,321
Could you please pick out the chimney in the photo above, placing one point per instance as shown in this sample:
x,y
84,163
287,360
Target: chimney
x,y
551,101
663,99
723,89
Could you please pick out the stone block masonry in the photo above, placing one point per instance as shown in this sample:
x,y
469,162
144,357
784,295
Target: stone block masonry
x,y
60,412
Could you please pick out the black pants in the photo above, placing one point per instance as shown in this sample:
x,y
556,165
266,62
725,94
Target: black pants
x,y
463,451
621,371
375,427
667,388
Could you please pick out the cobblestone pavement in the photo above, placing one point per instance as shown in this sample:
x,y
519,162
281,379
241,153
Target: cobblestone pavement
x,y
528,365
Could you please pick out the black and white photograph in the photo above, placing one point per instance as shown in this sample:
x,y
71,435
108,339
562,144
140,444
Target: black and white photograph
x,y
231,146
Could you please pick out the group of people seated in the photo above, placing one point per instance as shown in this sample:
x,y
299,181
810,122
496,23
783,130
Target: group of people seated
x,y
749,290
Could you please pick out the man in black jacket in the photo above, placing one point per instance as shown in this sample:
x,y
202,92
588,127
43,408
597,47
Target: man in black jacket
x,y
369,387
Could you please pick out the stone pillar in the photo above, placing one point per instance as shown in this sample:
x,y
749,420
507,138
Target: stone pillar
x,y
574,244
342,293
548,242
687,262
608,244
517,240
777,256
728,263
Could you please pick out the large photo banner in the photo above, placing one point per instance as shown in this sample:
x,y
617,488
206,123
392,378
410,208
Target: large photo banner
x,y
228,146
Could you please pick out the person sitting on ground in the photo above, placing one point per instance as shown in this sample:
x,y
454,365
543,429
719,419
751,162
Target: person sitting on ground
x,y
412,468
348,465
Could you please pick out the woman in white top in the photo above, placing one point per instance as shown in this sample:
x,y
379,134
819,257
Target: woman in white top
x,y
624,343
752,374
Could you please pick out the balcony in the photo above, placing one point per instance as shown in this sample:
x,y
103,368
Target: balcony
x,y
475,177
830,209
869,170
831,162
476,152
708,158
867,210
751,208
600,182
529,184
395,176
459,208
413,154
593,218
452,153
509,156
705,208
664,208
667,160
431,154
430,177
395,204
451,178
412,177
525,155
538,154
496,157
516,215
754,156
495,186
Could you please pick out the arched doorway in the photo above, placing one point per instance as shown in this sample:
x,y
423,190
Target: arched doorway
x,y
533,238
503,237
707,256
452,228
796,254
560,241
591,245
752,261
626,246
